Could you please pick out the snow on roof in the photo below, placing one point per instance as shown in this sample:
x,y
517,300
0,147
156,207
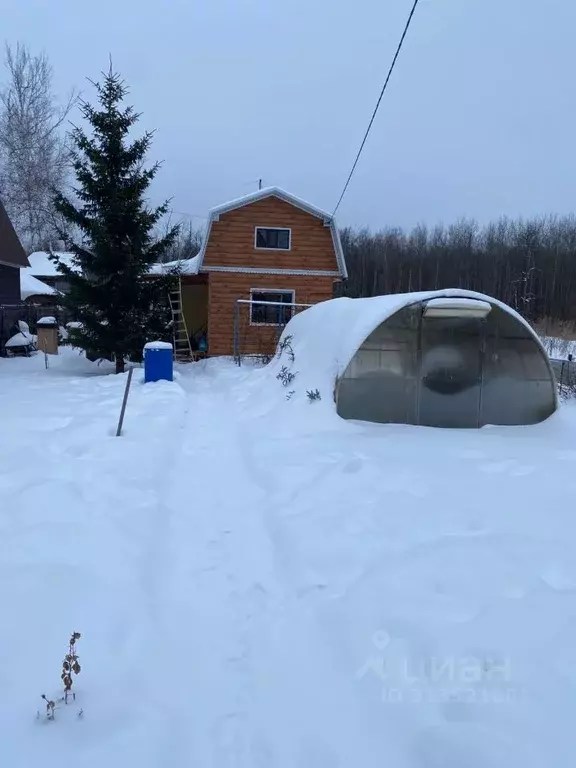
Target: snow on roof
x,y
31,286
325,337
281,194
42,266
265,192
183,266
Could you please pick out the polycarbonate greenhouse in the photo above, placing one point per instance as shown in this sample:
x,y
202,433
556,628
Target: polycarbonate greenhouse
x,y
447,358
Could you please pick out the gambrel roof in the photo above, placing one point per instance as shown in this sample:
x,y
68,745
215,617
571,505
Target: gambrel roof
x,y
297,202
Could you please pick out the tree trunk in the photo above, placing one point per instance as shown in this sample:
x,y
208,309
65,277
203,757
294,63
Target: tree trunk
x,y
119,363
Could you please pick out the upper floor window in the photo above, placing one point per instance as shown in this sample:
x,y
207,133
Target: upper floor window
x,y
273,238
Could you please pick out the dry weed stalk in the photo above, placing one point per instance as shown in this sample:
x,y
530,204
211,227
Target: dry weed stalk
x,y
70,666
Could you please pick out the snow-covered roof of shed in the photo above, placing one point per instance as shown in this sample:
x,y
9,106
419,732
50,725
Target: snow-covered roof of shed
x,y
281,194
31,286
42,266
325,337
182,266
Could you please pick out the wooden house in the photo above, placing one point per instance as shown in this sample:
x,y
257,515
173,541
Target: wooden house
x,y
264,257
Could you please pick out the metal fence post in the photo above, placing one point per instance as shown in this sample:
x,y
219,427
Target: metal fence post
x,y
236,332
124,401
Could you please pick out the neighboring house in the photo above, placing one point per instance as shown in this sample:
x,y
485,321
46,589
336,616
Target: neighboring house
x,y
270,250
12,259
44,269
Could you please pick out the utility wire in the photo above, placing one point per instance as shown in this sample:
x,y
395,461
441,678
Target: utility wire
x,y
400,44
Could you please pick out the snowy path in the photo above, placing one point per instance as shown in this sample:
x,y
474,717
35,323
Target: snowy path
x,y
257,589
219,580
235,600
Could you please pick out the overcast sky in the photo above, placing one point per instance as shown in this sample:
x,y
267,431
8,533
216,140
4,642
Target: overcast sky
x,y
479,118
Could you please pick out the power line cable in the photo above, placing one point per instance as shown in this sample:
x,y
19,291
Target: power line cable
x,y
400,44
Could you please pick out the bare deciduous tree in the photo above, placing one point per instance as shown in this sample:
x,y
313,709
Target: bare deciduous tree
x,y
34,154
187,244
529,264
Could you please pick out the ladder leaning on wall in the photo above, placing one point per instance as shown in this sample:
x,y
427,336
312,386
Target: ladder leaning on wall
x,y
182,347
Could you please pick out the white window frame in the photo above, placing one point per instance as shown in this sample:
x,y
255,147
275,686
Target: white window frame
x,y
275,250
270,290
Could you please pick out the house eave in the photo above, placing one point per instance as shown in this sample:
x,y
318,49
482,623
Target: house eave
x,y
273,271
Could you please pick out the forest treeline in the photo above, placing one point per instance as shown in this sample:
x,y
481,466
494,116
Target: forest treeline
x,y
529,264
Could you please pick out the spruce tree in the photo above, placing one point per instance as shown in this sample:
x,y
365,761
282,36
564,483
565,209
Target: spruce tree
x,y
111,293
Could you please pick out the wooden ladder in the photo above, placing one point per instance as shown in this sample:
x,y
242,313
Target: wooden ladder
x,y
182,347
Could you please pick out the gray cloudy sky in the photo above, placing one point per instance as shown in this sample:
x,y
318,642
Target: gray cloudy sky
x,y
478,119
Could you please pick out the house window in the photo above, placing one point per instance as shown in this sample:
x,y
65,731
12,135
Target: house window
x,y
271,307
273,238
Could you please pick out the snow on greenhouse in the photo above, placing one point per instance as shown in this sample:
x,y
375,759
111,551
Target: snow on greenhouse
x,y
449,358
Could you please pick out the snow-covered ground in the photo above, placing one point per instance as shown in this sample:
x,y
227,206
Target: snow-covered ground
x,y
259,584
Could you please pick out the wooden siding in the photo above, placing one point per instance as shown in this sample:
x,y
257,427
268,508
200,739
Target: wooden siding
x,y
231,241
9,285
226,287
